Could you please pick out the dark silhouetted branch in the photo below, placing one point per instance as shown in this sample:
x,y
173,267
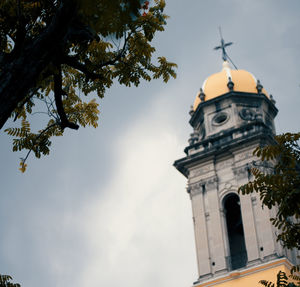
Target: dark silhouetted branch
x,y
74,63
58,93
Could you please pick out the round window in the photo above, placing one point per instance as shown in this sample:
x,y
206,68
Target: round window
x,y
220,118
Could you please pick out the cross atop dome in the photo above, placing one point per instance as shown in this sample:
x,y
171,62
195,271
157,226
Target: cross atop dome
x,y
223,45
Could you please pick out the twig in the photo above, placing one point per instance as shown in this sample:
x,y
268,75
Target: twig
x,y
35,140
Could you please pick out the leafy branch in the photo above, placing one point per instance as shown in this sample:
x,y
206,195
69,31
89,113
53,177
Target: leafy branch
x,y
281,187
5,281
56,51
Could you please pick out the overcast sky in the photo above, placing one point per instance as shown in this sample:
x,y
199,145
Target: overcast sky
x,y
107,208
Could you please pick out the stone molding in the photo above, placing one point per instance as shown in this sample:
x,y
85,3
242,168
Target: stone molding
x,y
224,164
241,172
225,191
244,155
200,171
209,183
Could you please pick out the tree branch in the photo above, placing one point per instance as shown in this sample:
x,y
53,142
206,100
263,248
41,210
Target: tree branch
x,y
21,73
20,32
79,32
74,63
58,93
23,160
119,55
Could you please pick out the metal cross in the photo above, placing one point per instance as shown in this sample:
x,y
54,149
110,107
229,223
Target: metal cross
x,y
223,46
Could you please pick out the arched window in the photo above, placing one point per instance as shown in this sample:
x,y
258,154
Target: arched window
x,y
235,232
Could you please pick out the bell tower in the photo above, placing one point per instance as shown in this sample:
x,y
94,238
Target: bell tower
x,y
235,240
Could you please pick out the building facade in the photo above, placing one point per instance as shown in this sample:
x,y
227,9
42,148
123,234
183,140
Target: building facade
x,y
235,240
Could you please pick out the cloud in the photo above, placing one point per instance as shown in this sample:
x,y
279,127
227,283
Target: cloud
x,y
140,232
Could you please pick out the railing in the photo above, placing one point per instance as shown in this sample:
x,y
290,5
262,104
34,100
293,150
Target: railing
x,y
226,137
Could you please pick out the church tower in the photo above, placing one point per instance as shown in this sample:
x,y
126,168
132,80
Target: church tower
x,y
235,240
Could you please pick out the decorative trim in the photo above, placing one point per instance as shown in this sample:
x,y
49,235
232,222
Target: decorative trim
x,y
228,185
209,183
241,172
220,118
244,155
247,114
237,274
225,192
254,200
225,164
207,215
200,171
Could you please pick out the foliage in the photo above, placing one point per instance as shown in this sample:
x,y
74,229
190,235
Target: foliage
x,y
5,281
280,188
54,53
282,281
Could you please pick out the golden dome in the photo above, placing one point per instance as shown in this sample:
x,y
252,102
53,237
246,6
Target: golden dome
x,y
216,84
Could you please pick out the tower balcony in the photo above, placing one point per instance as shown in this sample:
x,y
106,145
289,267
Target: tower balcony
x,y
227,137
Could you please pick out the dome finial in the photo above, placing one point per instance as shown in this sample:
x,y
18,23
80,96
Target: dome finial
x,y
223,45
201,95
191,112
272,99
230,84
259,87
